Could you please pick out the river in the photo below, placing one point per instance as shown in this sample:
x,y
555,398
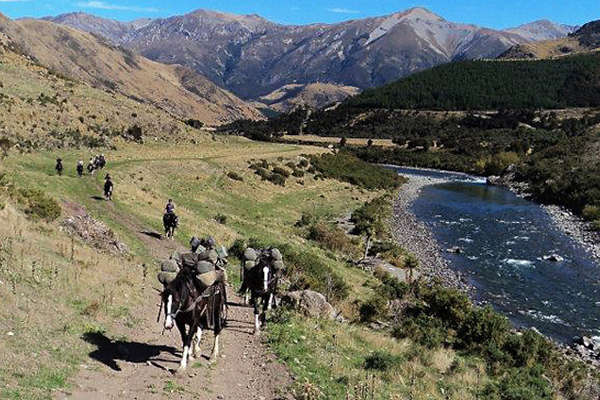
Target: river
x,y
504,240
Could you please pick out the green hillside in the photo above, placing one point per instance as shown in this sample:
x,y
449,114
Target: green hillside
x,y
477,85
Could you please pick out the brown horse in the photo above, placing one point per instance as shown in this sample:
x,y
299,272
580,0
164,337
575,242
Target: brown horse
x,y
187,306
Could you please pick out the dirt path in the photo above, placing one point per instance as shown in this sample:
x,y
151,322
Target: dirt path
x,y
140,365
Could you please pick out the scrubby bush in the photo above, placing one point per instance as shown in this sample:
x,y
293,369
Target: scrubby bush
x,y
373,309
520,384
303,163
281,171
37,204
591,213
221,219
235,176
237,248
277,179
331,237
347,168
306,219
382,361
263,173
298,173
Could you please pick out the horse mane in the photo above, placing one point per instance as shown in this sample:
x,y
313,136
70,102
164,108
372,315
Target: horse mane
x,y
182,285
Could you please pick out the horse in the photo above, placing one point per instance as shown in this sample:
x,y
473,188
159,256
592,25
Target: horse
x,y
185,305
170,222
263,282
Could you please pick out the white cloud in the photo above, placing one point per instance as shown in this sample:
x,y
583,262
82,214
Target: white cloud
x,y
107,6
343,11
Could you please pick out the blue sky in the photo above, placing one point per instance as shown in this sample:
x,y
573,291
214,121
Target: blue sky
x,y
490,13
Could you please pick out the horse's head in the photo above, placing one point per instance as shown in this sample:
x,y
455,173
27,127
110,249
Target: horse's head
x,y
173,298
171,302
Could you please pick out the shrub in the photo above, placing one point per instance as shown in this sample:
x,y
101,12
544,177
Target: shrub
x,y
220,218
381,360
348,168
591,213
263,173
330,237
298,173
423,329
303,163
237,248
38,205
277,179
194,123
374,308
290,165
281,171
520,384
305,220
391,288
596,225
235,176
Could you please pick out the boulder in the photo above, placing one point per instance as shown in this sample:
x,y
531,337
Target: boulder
x,y
312,304
455,250
554,258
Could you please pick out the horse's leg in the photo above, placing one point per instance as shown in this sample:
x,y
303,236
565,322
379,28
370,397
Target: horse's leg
x,y
254,301
197,350
186,339
215,350
270,302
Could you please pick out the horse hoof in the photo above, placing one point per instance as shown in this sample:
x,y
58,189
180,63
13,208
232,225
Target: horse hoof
x,y
256,333
179,371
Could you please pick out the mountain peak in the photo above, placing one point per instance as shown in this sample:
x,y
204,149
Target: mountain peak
x,y
421,13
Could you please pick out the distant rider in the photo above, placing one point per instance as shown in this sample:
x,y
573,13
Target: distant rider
x,y
108,187
59,166
80,168
91,167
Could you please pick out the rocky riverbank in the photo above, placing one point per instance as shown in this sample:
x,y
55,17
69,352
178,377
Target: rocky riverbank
x,y
415,236
576,228
565,220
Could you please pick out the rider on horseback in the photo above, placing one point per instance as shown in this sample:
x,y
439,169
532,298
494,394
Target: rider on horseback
x,y
170,207
108,187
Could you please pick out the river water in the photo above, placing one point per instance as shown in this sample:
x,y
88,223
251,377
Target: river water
x,y
504,239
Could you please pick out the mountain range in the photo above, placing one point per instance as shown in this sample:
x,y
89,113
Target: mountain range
x,y
253,57
90,58
584,39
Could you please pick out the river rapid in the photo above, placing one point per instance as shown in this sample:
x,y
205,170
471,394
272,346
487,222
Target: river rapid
x,y
504,243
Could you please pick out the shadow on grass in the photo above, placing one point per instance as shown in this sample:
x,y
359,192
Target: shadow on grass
x,y
98,198
109,351
152,234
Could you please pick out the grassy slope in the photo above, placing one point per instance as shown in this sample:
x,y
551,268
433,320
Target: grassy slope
x,y
195,177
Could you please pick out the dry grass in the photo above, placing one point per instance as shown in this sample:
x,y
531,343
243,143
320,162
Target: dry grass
x,y
84,57
53,292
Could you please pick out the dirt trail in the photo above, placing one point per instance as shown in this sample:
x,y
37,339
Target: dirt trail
x,y
141,365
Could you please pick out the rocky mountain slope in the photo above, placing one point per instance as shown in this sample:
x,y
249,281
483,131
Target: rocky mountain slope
x,y
86,57
543,30
252,56
584,39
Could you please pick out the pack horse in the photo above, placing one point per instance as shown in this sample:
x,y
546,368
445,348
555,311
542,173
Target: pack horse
x,y
193,310
261,271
